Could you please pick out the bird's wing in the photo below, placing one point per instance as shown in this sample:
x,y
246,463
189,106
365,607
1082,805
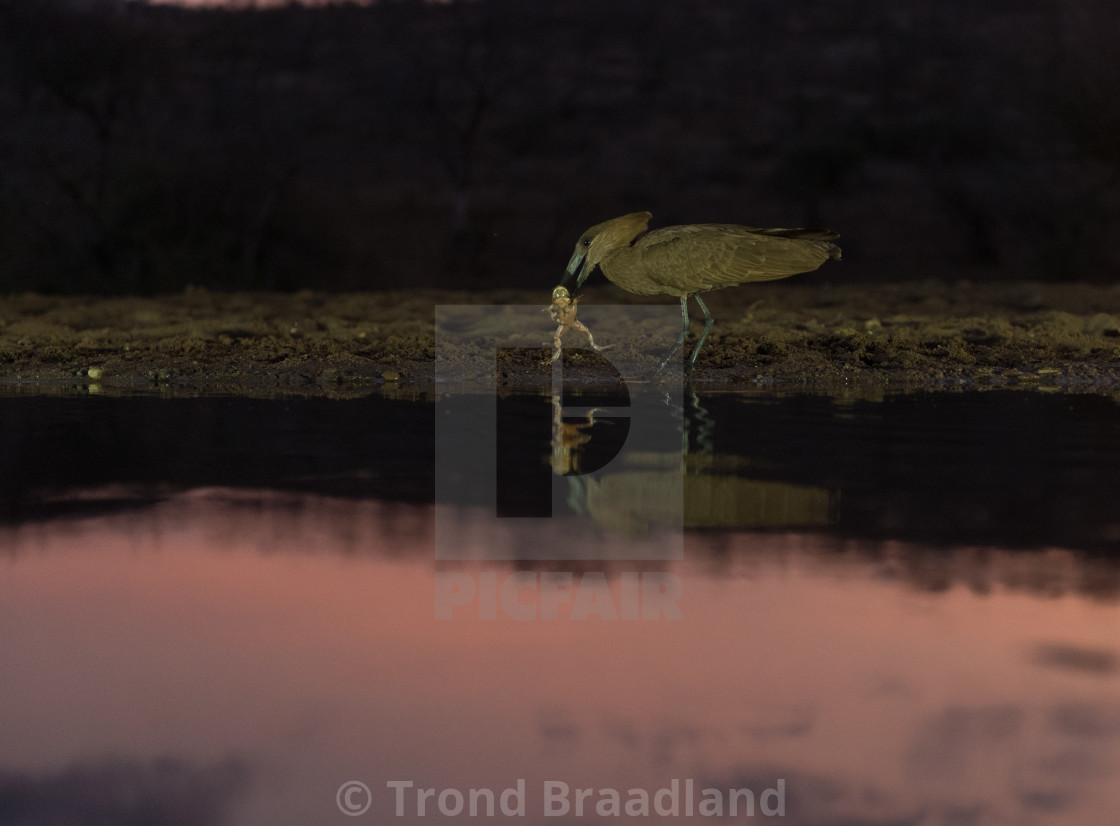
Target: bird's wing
x,y
809,234
699,257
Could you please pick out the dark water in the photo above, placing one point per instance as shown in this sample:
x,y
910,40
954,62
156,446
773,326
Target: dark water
x,y
893,610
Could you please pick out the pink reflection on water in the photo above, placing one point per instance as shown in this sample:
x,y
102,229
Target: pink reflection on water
x,y
298,634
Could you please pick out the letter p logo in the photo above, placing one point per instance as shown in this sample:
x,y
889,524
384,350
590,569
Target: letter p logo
x,y
564,474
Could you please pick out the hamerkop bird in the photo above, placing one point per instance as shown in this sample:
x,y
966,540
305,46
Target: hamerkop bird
x,y
687,260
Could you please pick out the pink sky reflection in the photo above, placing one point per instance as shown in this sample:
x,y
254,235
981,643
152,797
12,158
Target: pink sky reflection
x,y
305,641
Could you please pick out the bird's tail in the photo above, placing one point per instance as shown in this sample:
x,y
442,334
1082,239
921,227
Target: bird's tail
x,y
811,234
822,237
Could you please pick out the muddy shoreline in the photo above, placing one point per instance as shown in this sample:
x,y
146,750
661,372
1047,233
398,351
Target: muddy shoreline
x,y
793,335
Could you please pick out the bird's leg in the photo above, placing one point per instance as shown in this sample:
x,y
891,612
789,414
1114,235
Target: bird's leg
x,y
708,322
680,340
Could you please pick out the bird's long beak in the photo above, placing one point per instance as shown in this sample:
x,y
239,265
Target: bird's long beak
x,y
576,273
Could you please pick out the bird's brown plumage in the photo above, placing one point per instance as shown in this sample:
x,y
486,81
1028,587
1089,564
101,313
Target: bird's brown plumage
x,y
685,260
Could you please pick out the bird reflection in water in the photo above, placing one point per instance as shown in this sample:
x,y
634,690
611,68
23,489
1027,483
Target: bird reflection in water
x,y
717,490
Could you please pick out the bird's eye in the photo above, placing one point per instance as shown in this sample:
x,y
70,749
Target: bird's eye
x,y
586,242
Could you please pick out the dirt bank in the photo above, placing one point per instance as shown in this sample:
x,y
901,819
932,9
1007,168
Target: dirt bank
x,y
795,334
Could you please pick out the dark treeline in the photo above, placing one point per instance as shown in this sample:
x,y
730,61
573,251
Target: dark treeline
x,y
144,148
